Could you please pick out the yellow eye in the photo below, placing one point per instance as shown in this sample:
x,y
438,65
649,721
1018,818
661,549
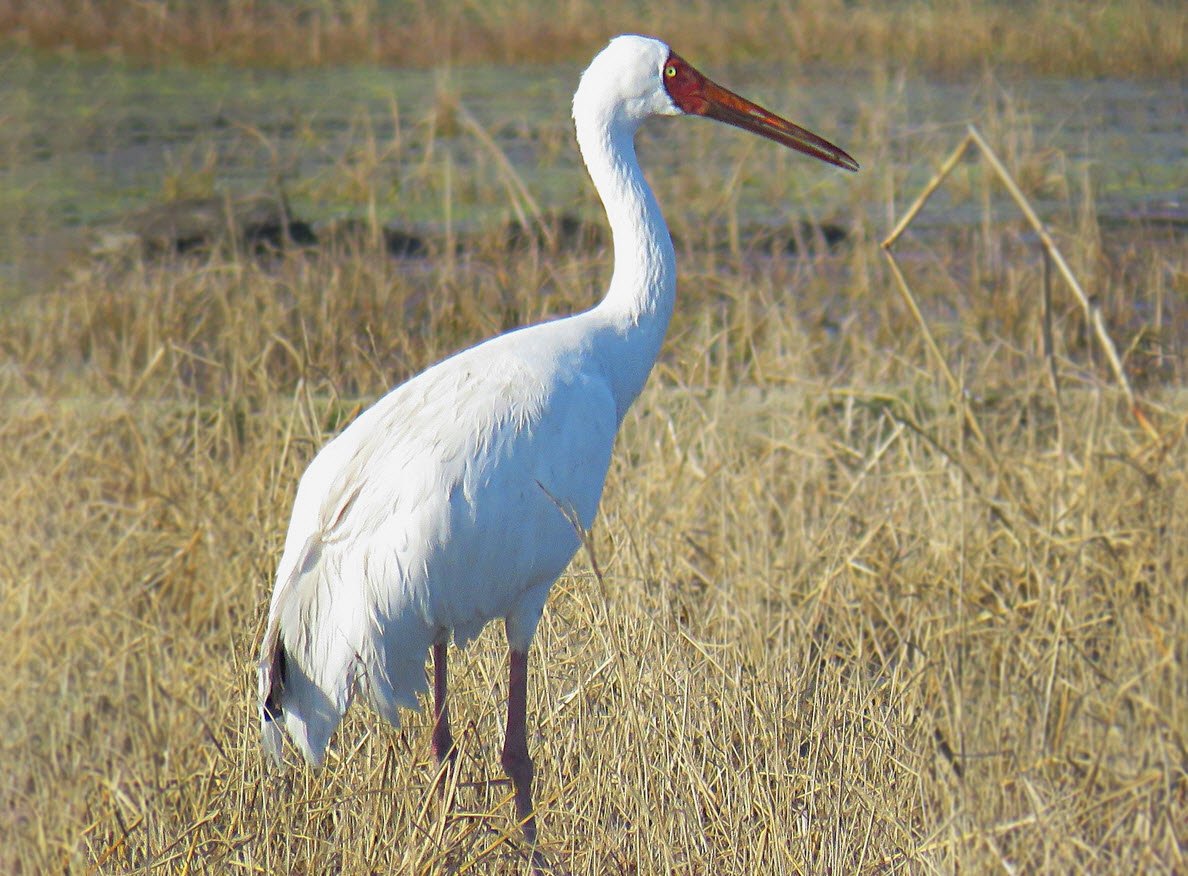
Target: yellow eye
x,y
670,71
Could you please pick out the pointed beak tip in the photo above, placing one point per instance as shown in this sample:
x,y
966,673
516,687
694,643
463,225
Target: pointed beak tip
x,y
843,159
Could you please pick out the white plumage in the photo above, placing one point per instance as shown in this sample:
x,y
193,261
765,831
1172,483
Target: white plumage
x,y
407,527
449,503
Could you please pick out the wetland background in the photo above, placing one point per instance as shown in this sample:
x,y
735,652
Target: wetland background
x,y
849,617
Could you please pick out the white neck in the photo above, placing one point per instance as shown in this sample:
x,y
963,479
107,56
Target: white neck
x,y
634,314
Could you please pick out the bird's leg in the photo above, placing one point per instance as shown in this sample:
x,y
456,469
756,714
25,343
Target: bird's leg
x,y
443,741
516,762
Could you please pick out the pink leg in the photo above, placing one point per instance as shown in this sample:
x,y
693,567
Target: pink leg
x,y
516,762
443,742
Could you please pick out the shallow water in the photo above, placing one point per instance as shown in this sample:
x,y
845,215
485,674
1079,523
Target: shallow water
x,y
84,142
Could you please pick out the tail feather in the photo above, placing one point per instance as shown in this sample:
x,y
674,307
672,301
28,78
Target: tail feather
x,y
321,644
306,669
272,688
294,702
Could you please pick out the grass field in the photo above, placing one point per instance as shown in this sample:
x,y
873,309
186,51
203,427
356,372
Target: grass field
x,y
1120,37
838,616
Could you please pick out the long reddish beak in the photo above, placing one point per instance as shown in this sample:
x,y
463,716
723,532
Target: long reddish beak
x,y
697,94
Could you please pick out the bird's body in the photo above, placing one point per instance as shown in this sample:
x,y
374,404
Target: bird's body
x,y
455,499
439,529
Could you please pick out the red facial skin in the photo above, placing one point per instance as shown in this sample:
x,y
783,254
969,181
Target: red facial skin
x,y
698,95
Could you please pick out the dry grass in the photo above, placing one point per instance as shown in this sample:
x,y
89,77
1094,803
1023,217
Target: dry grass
x,y
837,630
1119,37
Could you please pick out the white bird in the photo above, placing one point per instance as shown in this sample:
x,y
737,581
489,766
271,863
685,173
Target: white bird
x,y
452,501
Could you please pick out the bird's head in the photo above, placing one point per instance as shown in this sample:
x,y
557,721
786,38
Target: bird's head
x,y
636,77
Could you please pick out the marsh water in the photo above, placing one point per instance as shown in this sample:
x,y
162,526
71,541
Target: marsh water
x,y
84,142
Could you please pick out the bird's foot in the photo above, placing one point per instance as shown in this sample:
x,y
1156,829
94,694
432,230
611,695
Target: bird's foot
x,y
518,767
